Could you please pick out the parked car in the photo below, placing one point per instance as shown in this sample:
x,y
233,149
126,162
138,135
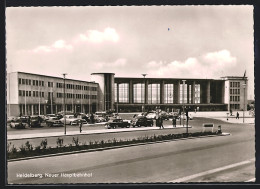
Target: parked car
x,y
151,115
35,121
17,123
114,123
99,118
48,116
142,121
25,119
78,121
10,118
53,121
69,119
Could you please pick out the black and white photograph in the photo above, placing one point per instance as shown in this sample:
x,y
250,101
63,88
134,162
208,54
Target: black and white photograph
x,y
130,94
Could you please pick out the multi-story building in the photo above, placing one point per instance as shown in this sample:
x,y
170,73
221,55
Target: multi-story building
x,y
38,94
33,94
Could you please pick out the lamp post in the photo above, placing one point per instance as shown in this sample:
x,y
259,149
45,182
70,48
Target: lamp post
x,y
64,112
244,86
143,108
183,84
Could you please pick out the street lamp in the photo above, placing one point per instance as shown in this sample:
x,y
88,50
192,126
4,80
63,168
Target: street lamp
x,y
144,92
244,86
64,113
183,84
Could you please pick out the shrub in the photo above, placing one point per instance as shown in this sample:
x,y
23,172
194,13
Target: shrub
x,y
75,141
44,144
29,147
59,142
13,149
22,149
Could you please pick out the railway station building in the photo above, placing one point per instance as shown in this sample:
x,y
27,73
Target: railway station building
x,y
33,94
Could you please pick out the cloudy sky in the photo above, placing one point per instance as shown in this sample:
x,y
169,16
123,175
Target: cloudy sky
x,y
161,41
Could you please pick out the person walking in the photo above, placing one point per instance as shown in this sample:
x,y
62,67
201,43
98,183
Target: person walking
x,y
80,127
161,122
237,116
174,121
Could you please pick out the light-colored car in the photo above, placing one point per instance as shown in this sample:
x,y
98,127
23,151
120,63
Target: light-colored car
x,y
69,119
53,121
17,124
151,115
99,118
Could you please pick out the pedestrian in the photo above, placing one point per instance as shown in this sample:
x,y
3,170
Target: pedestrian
x,y
29,121
174,122
231,112
161,122
92,118
80,127
237,116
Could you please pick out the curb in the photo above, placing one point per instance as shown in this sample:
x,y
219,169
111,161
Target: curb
x,y
76,134
113,147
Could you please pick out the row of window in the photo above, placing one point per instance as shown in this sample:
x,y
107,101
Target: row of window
x,y
58,85
30,82
234,91
76,87
122,93
234,98
234,84
31,93
235,106
77,96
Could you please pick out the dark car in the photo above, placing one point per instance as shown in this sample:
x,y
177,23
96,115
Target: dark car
x,y
53,121
114,123
17,124
35,121
142,121
78,121
25,118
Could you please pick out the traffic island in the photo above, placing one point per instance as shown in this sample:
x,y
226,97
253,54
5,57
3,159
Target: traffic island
x,y
27,151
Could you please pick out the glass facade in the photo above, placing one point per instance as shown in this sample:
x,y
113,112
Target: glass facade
x,y
139,92
183,97
154,93
197,94
168,93
123,89
116,97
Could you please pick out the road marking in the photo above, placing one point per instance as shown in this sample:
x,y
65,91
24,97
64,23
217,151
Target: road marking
x,y
212,171
251,180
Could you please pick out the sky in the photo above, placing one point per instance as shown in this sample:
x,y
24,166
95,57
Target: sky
x,y
161,41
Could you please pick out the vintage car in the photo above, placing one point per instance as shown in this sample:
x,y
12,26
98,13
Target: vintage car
x,y
53,121
35,121
17,123
142,121
78,121
99,119
114,123
69,119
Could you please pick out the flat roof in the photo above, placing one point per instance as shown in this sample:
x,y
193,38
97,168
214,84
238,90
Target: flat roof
x,y
155,78
55,77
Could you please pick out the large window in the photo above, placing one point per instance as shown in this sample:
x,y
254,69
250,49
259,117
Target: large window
x,y
197,94
123,89
183,97
116,97
139,94
168,93
153,93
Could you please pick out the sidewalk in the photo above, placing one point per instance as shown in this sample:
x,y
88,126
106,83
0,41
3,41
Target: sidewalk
x,y
88,132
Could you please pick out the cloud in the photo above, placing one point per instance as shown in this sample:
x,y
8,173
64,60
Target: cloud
x,y
110,65
57,45
95,36
210,65
91,36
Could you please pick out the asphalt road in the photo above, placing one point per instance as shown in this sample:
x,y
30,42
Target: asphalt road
x,y
213,159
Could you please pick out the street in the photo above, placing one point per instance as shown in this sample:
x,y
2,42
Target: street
x,y
213,159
